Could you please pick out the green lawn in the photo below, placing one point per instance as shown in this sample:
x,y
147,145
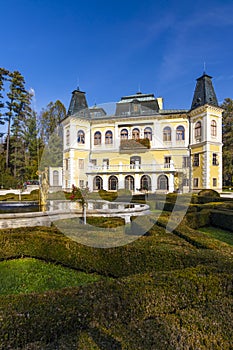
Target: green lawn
x,y
32,275
217,233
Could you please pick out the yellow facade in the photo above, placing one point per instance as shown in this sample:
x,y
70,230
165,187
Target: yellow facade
x,y
142,147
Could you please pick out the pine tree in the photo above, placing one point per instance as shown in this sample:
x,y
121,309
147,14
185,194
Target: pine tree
x,y
19,111
227,131
4,73
33,147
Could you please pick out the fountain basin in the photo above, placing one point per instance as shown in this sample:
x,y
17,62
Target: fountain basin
x,y
59,210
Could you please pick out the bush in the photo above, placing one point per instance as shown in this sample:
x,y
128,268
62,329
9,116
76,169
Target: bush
x,y
208,193
198,219
223,219
107,195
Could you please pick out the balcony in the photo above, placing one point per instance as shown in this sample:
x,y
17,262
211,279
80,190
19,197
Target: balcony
x,y
131,144
132,168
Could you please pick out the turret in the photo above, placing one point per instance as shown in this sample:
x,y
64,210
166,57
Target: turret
x,y
78,102
204,92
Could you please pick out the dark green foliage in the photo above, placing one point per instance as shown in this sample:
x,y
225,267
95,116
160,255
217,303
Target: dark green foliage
x,y
208,193
107,195
198,219
168,291
227,136
223,219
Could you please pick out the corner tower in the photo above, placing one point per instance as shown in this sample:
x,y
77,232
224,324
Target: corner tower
x,y
78,102
205,118
204,92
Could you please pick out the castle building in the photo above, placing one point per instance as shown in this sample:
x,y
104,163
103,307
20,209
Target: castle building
x,y
143,146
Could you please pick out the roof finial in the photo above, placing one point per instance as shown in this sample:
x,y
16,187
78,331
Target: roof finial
x,y
139,89
204,67
78,84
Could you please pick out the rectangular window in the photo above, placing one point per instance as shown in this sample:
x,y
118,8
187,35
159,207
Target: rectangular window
x,y
185,182
196,159
106,162
81,183
195,182
215,159
214,182
94,162
167,161
186,161
67,164
81,163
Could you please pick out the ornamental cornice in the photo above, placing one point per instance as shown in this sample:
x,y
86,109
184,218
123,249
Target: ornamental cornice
x,y
205,108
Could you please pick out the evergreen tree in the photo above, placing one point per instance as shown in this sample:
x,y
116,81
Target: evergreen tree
x,y
19,111
33,147
3,77
227,132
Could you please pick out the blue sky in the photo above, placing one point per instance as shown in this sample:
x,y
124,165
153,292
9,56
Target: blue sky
x,y
111,48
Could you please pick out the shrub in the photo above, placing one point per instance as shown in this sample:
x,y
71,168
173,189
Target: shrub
x,y
223,219
107,195
208,193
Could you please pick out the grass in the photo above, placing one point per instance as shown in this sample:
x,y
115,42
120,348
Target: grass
x,y
217,233
31,275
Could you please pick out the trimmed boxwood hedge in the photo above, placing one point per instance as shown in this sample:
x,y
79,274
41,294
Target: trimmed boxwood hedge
x,y
175,309
223,219
171,290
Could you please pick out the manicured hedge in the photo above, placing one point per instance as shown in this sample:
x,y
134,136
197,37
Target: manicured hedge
x,y
170,290
198,219
178,309
223,219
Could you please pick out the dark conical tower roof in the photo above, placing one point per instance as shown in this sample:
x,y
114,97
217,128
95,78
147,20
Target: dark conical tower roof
x,y
78,102
204,92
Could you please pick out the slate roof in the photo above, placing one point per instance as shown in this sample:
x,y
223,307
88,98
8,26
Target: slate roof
x,y
128,105
78,102
204,92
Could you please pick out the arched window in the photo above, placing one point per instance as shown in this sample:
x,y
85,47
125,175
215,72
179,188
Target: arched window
x,y
112,183
213,128
145,183
124,134
67,137
167,134
97,138
136,134
98,183
81,137
148,133
55,178
163,182
129,183
108,137
198,129
180,133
